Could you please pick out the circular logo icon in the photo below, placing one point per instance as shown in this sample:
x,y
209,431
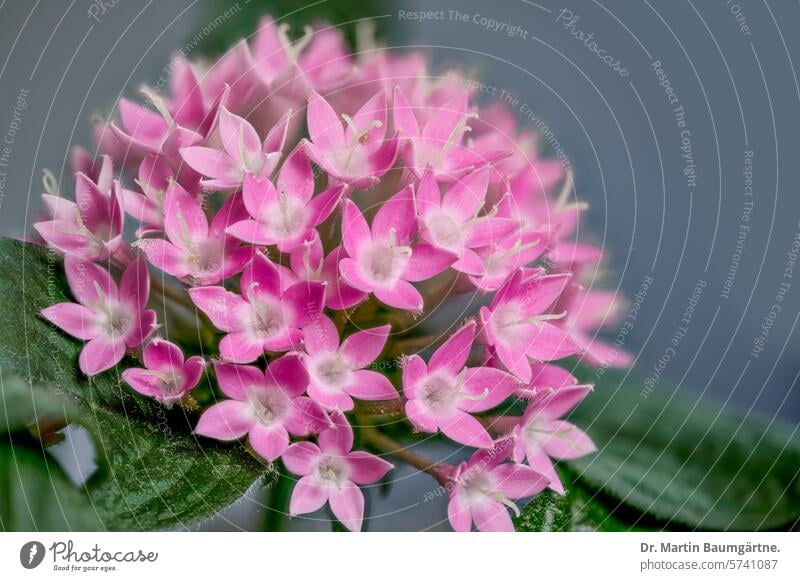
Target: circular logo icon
x,y
31,554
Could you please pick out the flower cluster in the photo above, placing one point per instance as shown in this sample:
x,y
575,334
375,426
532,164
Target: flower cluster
x,y
313,209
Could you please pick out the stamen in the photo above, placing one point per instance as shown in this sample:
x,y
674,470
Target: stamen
x,y
157,102
458,131
293,49
50,182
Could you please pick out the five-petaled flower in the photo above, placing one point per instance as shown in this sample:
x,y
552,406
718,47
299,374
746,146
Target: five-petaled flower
x,y
166,376
331,472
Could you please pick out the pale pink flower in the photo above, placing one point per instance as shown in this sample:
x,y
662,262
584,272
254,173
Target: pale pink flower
x,y
518,326
331,473
541,434
242,152
308,262
89,228
453,222
265,317
195,251
111,319
382,259
286,213
357,155
588,312
166,377
155,177
439,144
266,405
500,259
443,394
484,488
337,372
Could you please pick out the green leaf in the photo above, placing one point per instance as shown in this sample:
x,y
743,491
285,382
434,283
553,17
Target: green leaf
x,y
23,406
685,462
35,495
158,475
577,510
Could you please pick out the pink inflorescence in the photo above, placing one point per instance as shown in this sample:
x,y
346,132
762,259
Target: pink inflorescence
x,y
312,209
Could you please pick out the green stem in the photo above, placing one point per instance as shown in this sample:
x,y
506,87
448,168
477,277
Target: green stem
x,y
386,444
276,503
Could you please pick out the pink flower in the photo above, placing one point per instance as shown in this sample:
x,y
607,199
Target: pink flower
x,y
382,260
265,317
89,228
111,319
268,406
285,215
452,222
504,256
485,487
101,172
242,152
166,376
337,371
589,311
357,155
439,143
442,394
541,435
517,325
330,472
194,251
309,263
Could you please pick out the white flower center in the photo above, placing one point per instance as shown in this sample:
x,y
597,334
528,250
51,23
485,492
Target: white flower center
x,y
332,471
446,232
332,371
270,406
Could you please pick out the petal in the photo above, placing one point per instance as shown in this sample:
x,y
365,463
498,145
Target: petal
x,y
337,439
414,371
564,399
239,138
184,219
402,295
497,386
72,318
355,231
548,375
514,359
371,386
420,417
398,214
307,496
347,504
259,196
550,342
465,197
165,256
363,347
289,374
220,305
330,399
300,458
269,442
440,126
84,278
518,481
324,125
226,420
296,178
160,354
304,301
100,354
261,277
572,443
366,468
351,273
492,517
427,195
323,205
464,429
321,336
211,162
192,371
540,462
459,515
454,352
405,121
240,347
307,417
252,232
134,288
426,262
142,381
236,380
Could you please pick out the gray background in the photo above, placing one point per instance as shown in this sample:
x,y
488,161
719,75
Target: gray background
x,y
740,92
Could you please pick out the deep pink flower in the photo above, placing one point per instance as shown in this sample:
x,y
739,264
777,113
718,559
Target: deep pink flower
x,y
111,319
443,394
266,405
242,152
541,434
330,472
439,143
309,263
453,222
265,317
89,228
517,325
337,372
195,251
382,260
287,212
359,154
485,488
101,171
166,376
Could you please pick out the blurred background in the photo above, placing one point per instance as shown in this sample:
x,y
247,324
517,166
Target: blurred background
x,y
683,141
